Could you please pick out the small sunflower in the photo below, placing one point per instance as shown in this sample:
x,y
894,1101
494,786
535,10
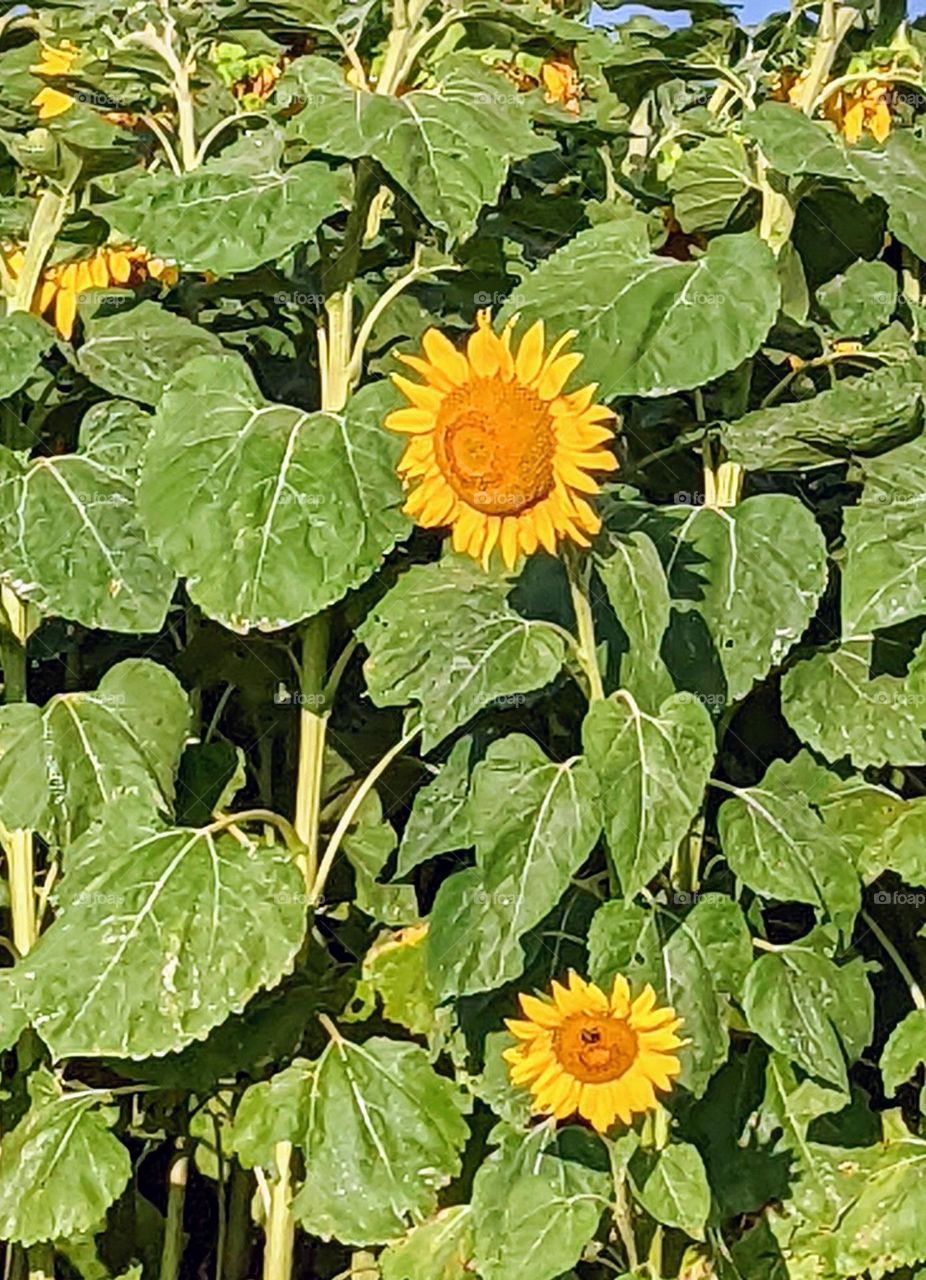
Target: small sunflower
x,y
497,452
561,82
863,107
603,1057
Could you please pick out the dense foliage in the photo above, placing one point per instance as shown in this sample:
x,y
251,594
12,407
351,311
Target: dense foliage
x,y
298,796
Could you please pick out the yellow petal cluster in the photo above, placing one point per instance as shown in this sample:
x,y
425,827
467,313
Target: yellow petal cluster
x,y
497,452
603,1057
861,108
561,82
55,61
61,285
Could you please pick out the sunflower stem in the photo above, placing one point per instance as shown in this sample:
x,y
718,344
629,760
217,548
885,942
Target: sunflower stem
x,y
49,217
621,1212
916,991
579,572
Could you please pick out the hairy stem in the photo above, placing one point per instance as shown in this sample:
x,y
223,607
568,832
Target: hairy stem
x,y
313,722
235,1260
46,223
916,991
280,1228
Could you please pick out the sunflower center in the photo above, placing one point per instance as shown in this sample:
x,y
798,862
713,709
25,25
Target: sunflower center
x,y
495,446
595,1049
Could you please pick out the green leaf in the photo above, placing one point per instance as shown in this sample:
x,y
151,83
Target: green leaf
x,y
275,1110
61,1167
160,936
534,1209
652,771
709,183
395,970
833,704
884,573
13,1020
439,1249
638,592
383,1135
533,823
136,353
754,573
73,544
858,415
23,342
622,938
446,638
449,145
676,1193
896,172
113,434
904,1051
795,145
861,299
368,846
439,821
471,946
649,325
719,929
779,844
308,501
231,214
61,767
815,1012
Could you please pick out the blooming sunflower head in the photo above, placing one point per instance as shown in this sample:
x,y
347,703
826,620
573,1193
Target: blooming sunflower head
x,y
497,451
862,108
603,1057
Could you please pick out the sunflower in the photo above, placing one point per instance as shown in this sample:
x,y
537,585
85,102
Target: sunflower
x,y
497,452
584,1052
561,82
54,62
61,285
862,107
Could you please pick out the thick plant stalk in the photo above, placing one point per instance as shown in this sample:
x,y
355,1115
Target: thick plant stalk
x,y
172,1251
18,844
46,223
41,1262
280,1228
580,572
234,1261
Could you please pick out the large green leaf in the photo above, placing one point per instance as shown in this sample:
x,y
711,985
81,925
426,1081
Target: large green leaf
x,y
533,823
636,586
795,145
61,767
904,1051
858,415
754,574
73,545
709,183
284,510
779,844
439,821
23,341
832,703
676,1192
861,299
161,934
446,638
896,172
61,1167
449,145
232,214
652,770
650,325
817,1013
136,353
383,1134
884,573
534,1209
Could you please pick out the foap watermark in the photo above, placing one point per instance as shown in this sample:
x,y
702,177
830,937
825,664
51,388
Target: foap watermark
x,y
294,698
899,898
680,898
706,699
485,299
296,298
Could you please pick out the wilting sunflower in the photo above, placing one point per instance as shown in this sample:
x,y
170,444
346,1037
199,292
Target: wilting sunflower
x,y
561,82
497,452
603,1057
61,285
862,108
54,62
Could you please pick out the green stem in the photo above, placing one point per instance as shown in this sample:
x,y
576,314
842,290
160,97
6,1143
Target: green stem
x,y
579,571
46,223
621,1213
18,844
41,1259
172,1250
235,1257
280,1228
313,724
916,991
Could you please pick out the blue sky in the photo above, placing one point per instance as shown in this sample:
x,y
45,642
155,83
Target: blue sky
x,y
750,11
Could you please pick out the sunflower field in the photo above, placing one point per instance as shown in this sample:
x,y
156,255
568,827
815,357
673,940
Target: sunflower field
x,y
463,641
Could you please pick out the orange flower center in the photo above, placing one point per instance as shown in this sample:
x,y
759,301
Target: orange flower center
x,y
595,1050
495,446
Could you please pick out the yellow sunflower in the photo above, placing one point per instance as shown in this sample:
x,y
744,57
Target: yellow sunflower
x,y
497,452
561,82
603,1057
859,108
